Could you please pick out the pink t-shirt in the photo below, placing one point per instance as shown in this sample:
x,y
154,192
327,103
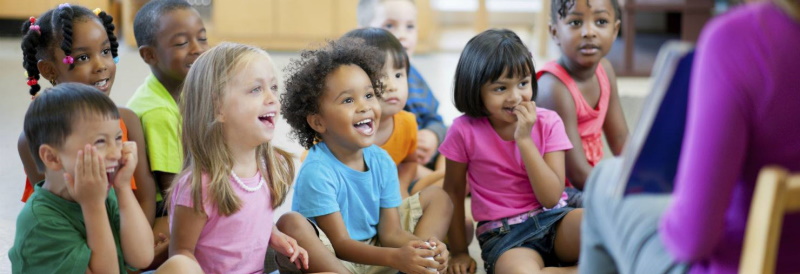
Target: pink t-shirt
x,y
236,243
495,171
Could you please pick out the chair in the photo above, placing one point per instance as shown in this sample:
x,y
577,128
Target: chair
x,y
777,193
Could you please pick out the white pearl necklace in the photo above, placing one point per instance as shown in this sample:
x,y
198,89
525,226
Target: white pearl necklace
x,y
244,186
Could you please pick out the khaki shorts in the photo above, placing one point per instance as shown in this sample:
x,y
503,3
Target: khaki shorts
x,y
410,213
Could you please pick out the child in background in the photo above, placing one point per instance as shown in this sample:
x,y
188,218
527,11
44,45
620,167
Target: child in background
x,y
229,111
581,86
73,44
347,185
171,36
512,155
72,223
400,18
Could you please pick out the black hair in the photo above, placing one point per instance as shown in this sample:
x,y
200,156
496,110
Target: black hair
x,y
306,76
384,41
54,25
484,59
145,25
559,9
52,115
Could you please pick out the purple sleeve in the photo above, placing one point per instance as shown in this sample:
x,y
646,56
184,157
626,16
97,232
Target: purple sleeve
x,y
453,147
714,144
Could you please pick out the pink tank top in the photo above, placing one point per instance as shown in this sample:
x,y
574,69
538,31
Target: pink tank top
x,y
590,120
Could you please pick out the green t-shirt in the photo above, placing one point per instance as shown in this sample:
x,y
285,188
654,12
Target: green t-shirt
x,y
51,235
161,122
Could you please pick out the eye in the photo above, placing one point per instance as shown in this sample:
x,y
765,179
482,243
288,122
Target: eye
x,y
100,141
370,95
274,88
398,75
82,58
410,26
202,39
602,22
575,23
348,100
388,26
119,138
182,44
257,89
523,84
106,51
499,89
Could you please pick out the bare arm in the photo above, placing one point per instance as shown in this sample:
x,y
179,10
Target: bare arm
x,y
99,239
389,231
546,174
615,127
554,95
407,259
455,182
407,170
27,160
185,232
136,235
145,183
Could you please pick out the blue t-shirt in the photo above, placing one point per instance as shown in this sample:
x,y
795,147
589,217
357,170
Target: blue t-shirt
x,y
325,185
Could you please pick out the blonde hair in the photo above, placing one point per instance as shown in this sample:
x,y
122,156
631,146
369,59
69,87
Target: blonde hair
x,y
204,145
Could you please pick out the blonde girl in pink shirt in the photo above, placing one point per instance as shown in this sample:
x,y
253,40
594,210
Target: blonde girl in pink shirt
x,y
512,155
222,203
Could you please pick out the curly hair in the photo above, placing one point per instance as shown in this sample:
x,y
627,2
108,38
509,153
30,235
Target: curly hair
x,y
305,81
54,25
560,8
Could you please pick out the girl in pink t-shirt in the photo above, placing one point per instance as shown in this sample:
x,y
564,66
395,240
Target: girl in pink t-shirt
x,y
222,204
512,155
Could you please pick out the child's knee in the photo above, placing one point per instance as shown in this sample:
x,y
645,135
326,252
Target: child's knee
x,y
292,222
435,195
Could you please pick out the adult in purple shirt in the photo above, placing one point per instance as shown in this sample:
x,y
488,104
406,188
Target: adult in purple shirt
x,y
743,114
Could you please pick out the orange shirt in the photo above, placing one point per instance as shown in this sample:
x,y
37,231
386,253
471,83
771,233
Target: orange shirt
x,y
29,186
403,141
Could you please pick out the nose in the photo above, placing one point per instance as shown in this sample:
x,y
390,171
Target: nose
x,y
516,96
270,97
101,64
391,84
588,31
363,105
114,152
196,48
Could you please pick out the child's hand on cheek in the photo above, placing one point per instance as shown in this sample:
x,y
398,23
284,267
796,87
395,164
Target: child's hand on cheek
x,y
89,184
526,118
122,178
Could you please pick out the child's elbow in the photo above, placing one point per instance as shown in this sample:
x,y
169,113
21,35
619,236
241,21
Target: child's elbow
x,y
141,260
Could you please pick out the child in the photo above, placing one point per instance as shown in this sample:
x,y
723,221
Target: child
x,y
347,185
512,155
72,223
74,44
582,86
397,133
170,35
230,107
400,18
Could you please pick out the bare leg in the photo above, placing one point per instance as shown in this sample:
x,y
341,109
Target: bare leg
x,y
321,259
436,211
435,178
526,260
568,237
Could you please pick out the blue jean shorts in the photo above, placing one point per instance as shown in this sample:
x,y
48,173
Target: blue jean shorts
x,y
537,233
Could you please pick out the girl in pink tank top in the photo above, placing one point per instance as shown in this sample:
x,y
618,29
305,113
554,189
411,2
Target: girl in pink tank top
x,y
581,86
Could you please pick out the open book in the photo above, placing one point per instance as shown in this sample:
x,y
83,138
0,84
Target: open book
x,y
650,157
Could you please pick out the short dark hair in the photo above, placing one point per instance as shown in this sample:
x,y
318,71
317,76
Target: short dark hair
x,y
53,113
559,9
484,59
306,76
384,41
145,25
55,29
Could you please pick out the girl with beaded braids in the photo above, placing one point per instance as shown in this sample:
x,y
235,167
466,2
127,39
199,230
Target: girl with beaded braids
x,y
71,43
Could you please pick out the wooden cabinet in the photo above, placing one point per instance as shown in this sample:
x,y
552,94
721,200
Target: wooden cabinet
x,y
17,9
281,24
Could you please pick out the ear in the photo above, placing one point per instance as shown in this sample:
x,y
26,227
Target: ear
x,y
553,33
49,156
148,54
316,122
47,69
617,25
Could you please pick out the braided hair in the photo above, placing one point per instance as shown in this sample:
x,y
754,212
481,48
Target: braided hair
x,y
55,28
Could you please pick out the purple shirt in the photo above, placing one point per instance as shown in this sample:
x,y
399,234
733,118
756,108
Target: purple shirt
x,y
495,171
744,113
